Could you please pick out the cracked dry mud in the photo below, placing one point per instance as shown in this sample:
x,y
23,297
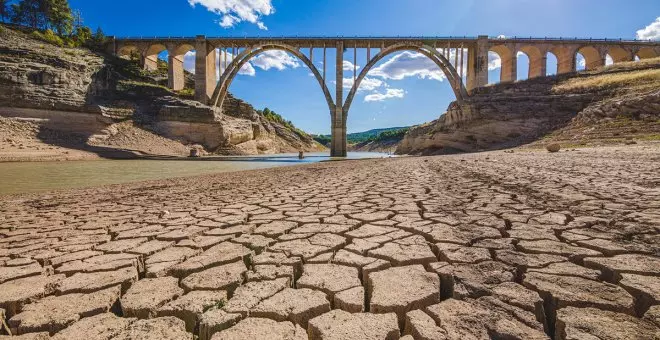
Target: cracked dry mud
x,y
524,245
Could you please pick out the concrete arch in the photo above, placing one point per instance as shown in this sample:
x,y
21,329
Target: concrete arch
x,y
592,56
647,53
536,61
150,56
619,54
128,51
450,72
242,58
508,70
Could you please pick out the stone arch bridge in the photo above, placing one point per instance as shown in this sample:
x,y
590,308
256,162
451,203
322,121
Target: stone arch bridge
x,y
464,61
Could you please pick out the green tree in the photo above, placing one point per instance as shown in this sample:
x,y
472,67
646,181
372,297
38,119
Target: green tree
x,y
30,13
4,10
99,37
83,35
59,16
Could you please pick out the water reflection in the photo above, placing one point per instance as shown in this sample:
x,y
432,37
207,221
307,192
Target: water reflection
x,y
26,177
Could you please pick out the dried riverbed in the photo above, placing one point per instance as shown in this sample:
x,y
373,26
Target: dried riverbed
x,y
525,245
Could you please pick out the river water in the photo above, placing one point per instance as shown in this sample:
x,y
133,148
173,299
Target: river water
x,y
24,177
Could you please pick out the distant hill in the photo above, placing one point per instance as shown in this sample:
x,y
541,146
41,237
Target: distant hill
x,y
360,137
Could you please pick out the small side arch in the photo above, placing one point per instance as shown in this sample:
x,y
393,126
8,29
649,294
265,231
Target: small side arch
x,y
619,54
647,53
450,72
508,69
129,51
150,56
536,61
242,58
593,58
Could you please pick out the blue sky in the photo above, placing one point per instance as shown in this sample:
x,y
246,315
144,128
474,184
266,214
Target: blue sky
x,y
404,89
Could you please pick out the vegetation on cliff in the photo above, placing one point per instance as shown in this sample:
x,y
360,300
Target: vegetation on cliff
x,y
51,21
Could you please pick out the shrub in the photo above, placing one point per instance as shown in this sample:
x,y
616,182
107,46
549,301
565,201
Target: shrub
x,y
49,37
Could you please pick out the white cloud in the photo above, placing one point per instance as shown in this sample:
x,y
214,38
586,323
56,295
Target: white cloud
x,y
608,60
233,12
348,66
494,61
367,84
580,61
408,64
650,32
501,36
379,97
276,59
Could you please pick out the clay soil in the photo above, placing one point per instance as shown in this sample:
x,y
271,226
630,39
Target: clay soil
x,y
497,245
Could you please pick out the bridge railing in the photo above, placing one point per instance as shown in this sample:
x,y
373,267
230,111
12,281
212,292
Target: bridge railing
x,y
377,38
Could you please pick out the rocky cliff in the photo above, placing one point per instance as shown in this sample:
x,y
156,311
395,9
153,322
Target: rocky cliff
x,y
614,103
85,93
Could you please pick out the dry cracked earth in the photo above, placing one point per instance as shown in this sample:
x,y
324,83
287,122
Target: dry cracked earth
x,y
523,245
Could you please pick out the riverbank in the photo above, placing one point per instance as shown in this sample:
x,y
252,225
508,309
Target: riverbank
x,y
528,244
22,177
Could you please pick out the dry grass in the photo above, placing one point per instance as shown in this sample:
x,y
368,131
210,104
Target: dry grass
x,y
618,79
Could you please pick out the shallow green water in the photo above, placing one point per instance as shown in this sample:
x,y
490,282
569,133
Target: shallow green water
x,y
23,177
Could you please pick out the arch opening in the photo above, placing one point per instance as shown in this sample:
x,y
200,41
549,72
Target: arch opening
x,y
536,63
618,55
129,52
646,53
592,58
241,59
523,65
508,66
151,56
494,68
551,64
176,71
432,53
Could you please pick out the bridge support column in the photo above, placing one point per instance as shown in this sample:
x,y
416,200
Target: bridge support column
x,y
205,81
175,75
338,137
565,60
150,62
478,64
537,66
509,70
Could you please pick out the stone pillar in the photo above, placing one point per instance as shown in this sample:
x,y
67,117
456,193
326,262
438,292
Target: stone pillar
x,y
150,62
509,70
537,66
478,64
565,60
338,140
175,75
205,81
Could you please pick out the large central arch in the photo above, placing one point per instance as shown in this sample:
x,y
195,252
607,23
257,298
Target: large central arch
x,y
450,72
244,57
